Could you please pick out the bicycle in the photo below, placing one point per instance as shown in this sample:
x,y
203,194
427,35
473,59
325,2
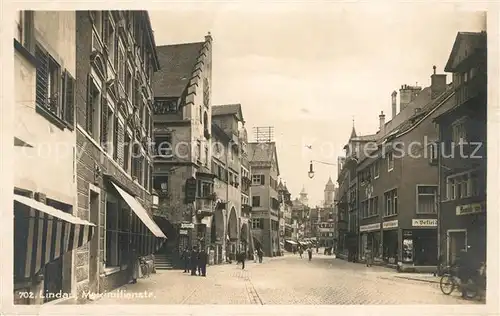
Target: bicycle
x,y
450,282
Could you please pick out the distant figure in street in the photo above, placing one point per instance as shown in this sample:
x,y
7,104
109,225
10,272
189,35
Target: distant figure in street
x,y
243,257
255,256
301,252
310,253
202,262
317,249
135,265
194,261
185,259
260,254
369,257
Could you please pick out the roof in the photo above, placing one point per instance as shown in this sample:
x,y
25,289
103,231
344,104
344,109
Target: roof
x,y
474,38
329,184
151,37
280,186
303,191
228,109
177,63
263,152
353,133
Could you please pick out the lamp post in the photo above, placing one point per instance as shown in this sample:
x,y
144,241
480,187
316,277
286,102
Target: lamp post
x,y
311,170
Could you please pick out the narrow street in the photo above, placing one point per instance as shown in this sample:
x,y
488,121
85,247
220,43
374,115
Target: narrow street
x,y
285,280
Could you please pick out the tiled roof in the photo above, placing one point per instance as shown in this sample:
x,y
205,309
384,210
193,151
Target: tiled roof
x,y
263,152
228,109
176,67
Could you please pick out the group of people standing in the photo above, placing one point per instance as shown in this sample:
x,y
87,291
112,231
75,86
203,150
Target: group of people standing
x,y
195,261
309,252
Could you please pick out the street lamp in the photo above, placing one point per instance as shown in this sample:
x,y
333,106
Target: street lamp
x,y
311,171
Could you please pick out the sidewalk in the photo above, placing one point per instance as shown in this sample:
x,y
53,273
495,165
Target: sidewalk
x,y
422,277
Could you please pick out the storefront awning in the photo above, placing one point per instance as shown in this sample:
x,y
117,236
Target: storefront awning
x,y
291,242
49,234
139,210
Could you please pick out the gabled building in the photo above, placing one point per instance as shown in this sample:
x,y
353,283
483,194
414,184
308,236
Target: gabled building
x,y
398,183
45,205
182,127
462,152
115,61
226,121
265,204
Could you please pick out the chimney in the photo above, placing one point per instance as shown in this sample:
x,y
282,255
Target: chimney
x,y
382,121
407,94
208,37
394,108
438,83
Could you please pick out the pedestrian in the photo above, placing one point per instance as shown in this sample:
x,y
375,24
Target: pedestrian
x,y
260,253
194,261
255,256
369,257
185,259
301,252
135,265
310,253
317,249
243,257
202,262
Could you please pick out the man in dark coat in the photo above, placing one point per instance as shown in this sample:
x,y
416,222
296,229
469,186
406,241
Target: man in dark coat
x,y
194,261
185,257
242,258
202,262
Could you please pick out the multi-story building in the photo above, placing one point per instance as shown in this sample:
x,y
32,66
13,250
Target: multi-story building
x,y
45,181
300,214
246,236
115,61
398,185
226,121
462,152
265,204
182,126
286,223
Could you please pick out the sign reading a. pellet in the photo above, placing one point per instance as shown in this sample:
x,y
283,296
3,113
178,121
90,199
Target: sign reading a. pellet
x,y
424,222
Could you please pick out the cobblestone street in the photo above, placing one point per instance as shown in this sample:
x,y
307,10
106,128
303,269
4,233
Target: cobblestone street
x,y
285,280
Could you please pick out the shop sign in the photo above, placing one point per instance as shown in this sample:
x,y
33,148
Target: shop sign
x,y
187,225
369,227
390,224
470,209
424,222
183,232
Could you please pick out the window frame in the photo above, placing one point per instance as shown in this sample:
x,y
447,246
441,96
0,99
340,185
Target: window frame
x,y
418,195
392,197
390,161
256,198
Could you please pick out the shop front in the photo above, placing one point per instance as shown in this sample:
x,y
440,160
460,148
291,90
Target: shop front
x,y
390,240
419,244
370,240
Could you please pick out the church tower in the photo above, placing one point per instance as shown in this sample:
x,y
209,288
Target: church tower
x,y
303,197
329,193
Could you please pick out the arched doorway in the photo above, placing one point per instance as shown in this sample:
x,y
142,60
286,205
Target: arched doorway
x,y
217,235
232,233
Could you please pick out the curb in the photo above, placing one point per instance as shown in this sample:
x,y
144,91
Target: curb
x,y
415,279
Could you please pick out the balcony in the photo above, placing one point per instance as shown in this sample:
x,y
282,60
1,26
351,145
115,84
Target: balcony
x,y
471,89
204,207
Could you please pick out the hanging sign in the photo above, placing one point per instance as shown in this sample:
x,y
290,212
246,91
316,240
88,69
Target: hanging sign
x,y
390,224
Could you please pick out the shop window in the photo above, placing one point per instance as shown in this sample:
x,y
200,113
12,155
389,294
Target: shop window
x,y
111,233
426,199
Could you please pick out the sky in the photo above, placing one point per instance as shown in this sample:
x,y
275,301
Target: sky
x,y
311,70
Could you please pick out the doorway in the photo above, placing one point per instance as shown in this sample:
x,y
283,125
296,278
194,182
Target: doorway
x,y
457,241
94,243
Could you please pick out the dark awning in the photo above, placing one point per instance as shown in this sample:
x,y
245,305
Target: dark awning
x,y
49,233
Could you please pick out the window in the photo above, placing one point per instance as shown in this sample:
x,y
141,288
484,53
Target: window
x,y
106,126
93,108
198,150
128,85
26,30
256,201
126,152
258,179
390,161
204,189
433,152
376,169
121,64
111,254
163,146
426,199
136,161
109,38
391,203
206,155
462,186
160,184
97,20
257,223
458,132
147,122
116,132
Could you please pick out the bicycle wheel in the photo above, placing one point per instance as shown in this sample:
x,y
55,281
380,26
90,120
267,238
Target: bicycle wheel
x,y
447,284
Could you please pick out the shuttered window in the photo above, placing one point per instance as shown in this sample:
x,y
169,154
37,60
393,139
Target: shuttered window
x,y
126,152
104,123
68,107
116,130
42,77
